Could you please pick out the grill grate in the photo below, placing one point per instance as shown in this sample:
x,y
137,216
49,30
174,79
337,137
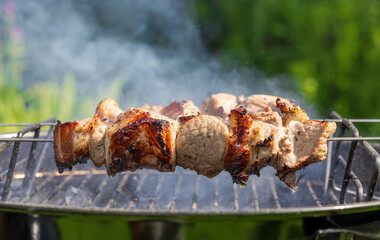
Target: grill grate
x,y
34,181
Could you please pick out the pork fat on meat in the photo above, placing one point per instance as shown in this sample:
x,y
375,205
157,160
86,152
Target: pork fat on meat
x,y
140,139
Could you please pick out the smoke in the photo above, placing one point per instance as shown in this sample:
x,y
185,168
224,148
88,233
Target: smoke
x,y
135,51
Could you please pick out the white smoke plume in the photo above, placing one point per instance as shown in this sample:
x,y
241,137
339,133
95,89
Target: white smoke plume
x,y
150,51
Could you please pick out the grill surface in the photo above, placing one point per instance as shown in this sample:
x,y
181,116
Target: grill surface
x,y
87,189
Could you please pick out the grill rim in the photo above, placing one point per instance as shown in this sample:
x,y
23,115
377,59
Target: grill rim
x,y
296,212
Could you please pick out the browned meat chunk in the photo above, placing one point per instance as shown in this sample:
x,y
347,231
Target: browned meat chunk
x,y
286,144
219,105
176,109
71,141
106,112
269,116
263,142
304,142
96,142
201,144
138,139
259,102
152,108
252,144
237,158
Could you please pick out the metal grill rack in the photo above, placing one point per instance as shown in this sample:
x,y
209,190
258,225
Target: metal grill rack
x,y
29,180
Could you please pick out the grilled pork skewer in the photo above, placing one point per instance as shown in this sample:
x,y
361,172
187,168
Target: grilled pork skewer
x,y
206,144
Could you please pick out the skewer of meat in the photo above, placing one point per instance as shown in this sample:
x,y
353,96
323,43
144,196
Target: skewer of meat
x,y
249,141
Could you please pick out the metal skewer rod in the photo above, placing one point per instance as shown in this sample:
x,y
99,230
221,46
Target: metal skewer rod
x,y
354,139
27,124
350,120
26,140
320,119
51,140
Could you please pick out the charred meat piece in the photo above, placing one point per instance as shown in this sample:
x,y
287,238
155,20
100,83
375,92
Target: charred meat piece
x,y
253,144
176,109
139,139
264,138
201,144
304,141
291,112
219,105
107,110
263,142
71,142
268,116
259,103
238,155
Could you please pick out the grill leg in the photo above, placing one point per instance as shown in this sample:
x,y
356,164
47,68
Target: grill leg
x,y
155,230
35,227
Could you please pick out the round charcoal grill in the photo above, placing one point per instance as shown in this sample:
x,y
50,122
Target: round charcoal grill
x,y
334,197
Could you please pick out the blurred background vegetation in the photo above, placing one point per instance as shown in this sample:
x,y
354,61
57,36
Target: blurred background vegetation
x,y
22,101
37,102
331,49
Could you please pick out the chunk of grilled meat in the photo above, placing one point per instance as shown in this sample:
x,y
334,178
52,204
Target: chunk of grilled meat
x,y
238,155
219,104
304,143
71,141
259,102
153,108
140,139
253,143
175,109
262,139
201,144
106,112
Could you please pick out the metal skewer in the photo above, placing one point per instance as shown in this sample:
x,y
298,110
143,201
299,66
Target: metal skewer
x,y
27,124
26,139
322,120
51,140
350,120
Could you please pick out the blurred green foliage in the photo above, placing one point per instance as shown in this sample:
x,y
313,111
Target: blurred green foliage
x,y
38,102
330,48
